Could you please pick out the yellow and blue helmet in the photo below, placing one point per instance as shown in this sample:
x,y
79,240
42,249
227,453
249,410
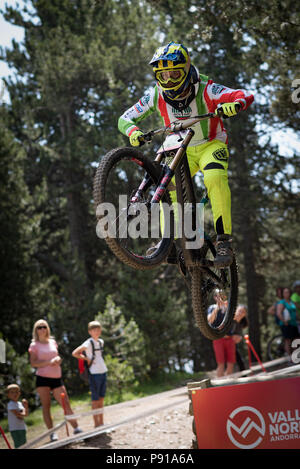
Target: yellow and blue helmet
x,y
168,59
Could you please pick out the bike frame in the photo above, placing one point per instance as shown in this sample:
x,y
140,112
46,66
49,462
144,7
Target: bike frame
x,y
179,168
169,170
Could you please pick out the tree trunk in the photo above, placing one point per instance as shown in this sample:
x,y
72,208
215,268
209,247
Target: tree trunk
x,y
245,238
76,210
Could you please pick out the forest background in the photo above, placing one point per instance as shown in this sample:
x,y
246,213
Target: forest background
x,y
81,64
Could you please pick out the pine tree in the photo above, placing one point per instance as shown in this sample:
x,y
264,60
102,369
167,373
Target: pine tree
x,y
123,339
230,56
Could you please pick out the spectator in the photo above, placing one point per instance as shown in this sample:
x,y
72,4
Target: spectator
x,y
286,312
44,357
273,309
224,348
91,352
296,296
16,411
239,323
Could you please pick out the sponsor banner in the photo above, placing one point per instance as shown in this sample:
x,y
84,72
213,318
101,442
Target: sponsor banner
x,y
262,415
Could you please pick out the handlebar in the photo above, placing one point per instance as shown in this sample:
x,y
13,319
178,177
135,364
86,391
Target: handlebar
x,y
181,125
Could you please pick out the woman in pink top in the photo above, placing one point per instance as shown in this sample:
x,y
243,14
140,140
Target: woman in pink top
x,y
44,357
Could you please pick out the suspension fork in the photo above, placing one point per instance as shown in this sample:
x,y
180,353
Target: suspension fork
x,y
145,184
169,172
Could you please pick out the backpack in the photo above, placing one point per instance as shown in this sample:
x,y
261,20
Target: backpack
x,y
83,365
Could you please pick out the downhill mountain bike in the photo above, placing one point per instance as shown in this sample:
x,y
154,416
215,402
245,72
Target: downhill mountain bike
x,y
140,223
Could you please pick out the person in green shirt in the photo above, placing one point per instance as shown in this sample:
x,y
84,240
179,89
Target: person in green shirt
x,y
296,296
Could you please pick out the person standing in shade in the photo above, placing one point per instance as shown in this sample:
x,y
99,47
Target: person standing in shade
x,y
16,411
286,312
224,348
91,351
296,297
44,357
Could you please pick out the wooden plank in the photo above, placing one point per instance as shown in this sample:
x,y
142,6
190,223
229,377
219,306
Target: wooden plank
x,y
42,436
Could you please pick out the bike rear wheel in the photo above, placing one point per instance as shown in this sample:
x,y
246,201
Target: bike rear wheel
x,y
205,283
275,347
130,227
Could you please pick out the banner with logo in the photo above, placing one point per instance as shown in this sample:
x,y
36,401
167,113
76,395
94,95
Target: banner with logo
x,y
261,415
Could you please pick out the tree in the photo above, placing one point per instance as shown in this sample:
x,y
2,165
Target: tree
x,y
24,293
229,56
15,370
271,33
74,78
123,339
81,65
73,63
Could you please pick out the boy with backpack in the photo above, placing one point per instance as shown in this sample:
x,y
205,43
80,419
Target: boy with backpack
x,y
91,352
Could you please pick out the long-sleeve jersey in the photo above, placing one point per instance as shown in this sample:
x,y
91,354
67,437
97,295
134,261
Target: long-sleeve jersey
x,y
207,97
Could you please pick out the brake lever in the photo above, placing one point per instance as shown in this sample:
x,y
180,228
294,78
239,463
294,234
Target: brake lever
x,y
145,138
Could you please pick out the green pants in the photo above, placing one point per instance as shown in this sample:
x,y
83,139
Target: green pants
x,y
19,437
211,159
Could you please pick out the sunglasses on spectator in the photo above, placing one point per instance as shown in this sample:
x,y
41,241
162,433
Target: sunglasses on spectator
x,y
41,327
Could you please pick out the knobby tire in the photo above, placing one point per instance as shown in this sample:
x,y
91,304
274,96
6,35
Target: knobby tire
x,y
200,302
124,255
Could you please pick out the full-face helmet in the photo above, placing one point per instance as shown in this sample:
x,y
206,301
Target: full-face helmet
x,y
172,69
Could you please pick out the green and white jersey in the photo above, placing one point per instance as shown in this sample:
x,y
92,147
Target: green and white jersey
x,y
207,97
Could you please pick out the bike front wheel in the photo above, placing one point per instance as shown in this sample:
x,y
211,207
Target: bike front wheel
x,y
206,284
130,225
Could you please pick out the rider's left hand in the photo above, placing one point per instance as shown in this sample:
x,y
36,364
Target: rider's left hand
x,y
134,138
227,109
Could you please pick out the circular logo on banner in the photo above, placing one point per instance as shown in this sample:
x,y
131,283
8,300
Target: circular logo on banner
x,y
245,427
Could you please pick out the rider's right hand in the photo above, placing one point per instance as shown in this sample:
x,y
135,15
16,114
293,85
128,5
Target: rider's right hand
x,y
227,109
134,138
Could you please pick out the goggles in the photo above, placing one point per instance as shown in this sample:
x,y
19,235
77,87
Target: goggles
x,y
166,76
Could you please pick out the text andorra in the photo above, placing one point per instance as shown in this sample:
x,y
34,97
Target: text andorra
x,y
284,425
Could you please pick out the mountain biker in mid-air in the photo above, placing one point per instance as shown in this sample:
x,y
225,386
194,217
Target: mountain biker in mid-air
x,y
181,92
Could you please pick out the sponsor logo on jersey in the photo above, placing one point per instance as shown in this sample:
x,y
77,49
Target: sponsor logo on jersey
x,y
138,108
145,100
182,113
217,89
221,154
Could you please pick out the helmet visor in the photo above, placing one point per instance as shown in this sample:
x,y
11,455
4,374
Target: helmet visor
x,y
169,77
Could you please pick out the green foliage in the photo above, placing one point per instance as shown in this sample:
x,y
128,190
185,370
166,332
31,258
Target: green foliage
x,y
124,343
234,44
16,370
81,65
121,376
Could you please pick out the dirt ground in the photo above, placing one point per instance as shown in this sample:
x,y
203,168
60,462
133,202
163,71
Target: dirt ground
x,y
169,429
156,427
